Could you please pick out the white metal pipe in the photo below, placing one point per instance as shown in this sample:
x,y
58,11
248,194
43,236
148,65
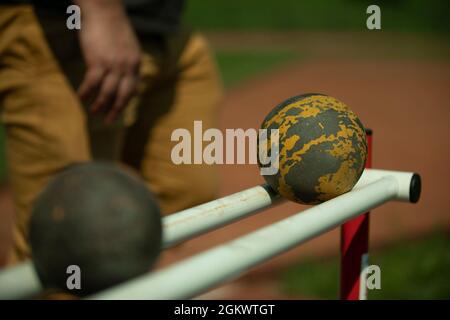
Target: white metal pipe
x,y
194,221
206,270
212,215
409,183
178,227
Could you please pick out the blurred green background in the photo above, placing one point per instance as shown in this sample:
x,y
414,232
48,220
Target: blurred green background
x,y
335,15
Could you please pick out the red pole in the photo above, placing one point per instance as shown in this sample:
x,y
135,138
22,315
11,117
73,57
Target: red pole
x,y
355,248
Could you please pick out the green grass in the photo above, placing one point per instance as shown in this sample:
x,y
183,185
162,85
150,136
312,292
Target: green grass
x,y
409,270
396,15
236,66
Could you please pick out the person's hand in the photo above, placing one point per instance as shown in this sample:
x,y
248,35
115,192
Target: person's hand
x,y
112,55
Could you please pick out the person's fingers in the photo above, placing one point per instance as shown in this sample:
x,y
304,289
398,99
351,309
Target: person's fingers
x,y
107,91
126,90
91,81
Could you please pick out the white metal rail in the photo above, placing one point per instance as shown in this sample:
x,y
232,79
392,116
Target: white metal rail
x,y
21,281
206,270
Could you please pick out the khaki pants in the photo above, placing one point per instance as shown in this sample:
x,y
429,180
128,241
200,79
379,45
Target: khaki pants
x,y
48,128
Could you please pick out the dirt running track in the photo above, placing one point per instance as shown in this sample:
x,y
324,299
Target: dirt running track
x,y
406,103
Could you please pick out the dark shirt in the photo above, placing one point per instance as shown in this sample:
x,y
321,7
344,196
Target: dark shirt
x,y
146,16
155,15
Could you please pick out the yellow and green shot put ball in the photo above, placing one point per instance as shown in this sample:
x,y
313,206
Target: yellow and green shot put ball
x,y
322,148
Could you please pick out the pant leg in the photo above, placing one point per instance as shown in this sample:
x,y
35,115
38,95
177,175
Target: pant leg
x,y
45,123
188,89
105,140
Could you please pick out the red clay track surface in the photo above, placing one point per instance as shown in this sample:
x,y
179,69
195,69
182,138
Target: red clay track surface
x,y
405,102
